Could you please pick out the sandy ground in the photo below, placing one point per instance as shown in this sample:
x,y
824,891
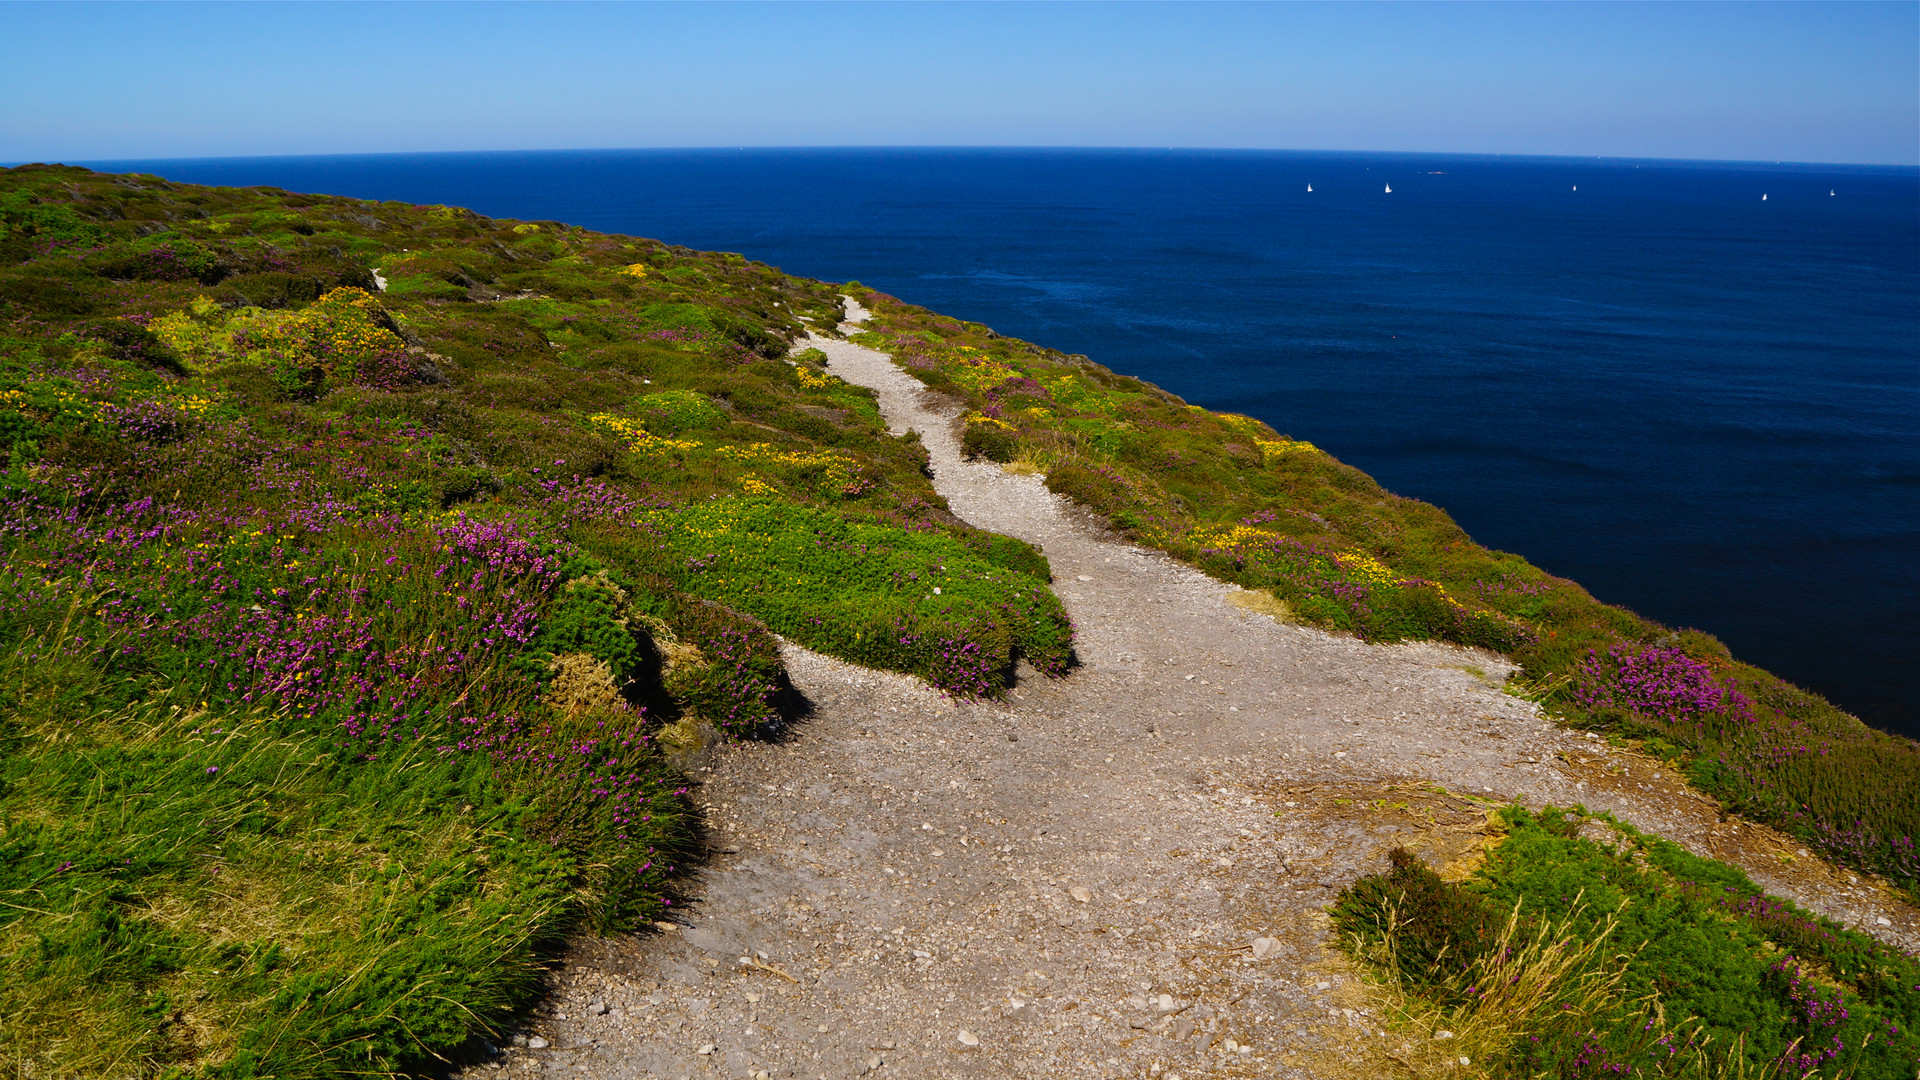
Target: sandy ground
x,y
1122,873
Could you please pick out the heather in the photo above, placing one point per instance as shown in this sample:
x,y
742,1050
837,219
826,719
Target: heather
x,y
1583,948
369,570
1250,505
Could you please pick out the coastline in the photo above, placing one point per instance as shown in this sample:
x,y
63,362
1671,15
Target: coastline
x,y
512,585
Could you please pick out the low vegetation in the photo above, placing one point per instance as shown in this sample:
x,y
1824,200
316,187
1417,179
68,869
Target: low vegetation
x,y
1582,948
368,568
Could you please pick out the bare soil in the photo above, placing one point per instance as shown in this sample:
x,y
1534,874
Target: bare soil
x,y
1071,881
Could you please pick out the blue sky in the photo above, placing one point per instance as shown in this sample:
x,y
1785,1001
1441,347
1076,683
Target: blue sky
x,y
1830,82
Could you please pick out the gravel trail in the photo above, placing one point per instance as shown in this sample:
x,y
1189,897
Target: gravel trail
x,y
1121,873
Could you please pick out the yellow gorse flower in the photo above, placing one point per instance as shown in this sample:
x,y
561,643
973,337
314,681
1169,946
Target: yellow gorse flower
x,y
1275,448
635,435
333,332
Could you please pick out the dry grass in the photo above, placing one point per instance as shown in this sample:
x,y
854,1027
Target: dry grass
x,y
1526,985
1262,602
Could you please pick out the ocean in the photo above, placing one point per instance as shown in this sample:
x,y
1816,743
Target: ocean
x,y
1692,387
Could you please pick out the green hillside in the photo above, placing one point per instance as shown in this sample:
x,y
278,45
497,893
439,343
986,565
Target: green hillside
x,y
367,565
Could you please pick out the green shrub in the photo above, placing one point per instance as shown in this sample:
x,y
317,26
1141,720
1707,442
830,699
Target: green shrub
x,y
165,257
989,441
1439,928
274,289
135,344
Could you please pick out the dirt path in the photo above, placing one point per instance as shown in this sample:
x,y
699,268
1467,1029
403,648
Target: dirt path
x,y
1071,882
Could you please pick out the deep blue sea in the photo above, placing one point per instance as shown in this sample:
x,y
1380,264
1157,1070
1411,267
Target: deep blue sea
x,y
1692,387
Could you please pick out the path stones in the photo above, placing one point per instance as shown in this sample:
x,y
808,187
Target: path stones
x,y
1080,893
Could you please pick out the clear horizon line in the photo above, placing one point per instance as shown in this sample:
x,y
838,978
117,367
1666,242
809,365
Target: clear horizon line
x,y
90,162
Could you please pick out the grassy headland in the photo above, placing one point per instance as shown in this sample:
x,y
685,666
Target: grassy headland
x,y
349,629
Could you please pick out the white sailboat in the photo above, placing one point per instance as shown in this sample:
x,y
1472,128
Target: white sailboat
x,y
1763,198
1389,189
1829,192
1309,189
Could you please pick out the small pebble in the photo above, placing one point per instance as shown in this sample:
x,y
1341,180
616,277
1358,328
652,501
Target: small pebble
x,y
706,1050
968,1038
536,1043
1080,893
